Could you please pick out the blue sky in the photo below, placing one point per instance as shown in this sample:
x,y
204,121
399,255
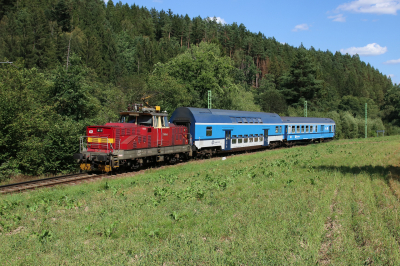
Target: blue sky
x,y
365,27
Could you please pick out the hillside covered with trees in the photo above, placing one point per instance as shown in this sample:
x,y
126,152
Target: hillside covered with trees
x,y
77,63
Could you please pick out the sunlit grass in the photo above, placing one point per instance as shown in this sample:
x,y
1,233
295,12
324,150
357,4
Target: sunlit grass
x,y
332,203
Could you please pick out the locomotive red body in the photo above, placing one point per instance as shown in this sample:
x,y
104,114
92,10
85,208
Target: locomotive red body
x,y
139,137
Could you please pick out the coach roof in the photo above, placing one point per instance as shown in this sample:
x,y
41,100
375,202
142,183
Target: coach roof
x,y
204,115
308,120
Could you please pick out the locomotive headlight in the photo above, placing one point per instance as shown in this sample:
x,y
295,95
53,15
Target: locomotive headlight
x,y
99,130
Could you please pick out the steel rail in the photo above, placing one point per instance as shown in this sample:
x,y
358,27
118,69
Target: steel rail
x,y
46,182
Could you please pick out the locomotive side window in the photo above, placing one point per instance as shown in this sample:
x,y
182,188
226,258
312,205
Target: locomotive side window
x,y
209,131
234,139
145,121
240,139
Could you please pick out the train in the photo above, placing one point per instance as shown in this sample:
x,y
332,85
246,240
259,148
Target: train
x,y
145,135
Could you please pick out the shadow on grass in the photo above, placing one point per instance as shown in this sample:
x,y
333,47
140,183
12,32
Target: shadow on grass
x,y
374,172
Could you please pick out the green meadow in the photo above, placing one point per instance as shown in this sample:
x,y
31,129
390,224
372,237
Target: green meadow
x,y
333,203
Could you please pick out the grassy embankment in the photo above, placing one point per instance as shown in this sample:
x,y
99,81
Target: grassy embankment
x,y
333,203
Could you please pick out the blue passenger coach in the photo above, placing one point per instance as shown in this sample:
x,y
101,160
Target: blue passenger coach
x,y
228,129
308,128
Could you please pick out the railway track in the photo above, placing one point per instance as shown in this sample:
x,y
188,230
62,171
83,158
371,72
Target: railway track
x,y
48,182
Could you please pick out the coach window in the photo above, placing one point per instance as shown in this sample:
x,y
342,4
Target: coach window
x,y
316,128
239,120
245,139
289,129
276,129
306,129
261,137
234,139
322,128
240,139
251,138
293,129
244,120
311,129
259,120
302,129
209,131
280,129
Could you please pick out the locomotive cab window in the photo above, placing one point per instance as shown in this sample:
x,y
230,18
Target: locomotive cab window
x,y
209,131
145,120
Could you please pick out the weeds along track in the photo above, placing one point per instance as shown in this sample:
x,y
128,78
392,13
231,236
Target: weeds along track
x,y
48,182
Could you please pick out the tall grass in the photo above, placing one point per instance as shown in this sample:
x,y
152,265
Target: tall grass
x,y
333,203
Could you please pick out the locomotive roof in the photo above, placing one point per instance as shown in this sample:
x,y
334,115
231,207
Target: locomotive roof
x,y
136,113
288,119
204,115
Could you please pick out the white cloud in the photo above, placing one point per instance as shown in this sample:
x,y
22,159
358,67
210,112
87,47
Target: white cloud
x,y
369,49
301,27
338,18
392,62
372,6
218,20
390,76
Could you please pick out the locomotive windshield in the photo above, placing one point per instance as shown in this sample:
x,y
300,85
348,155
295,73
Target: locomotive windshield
x,y
145,120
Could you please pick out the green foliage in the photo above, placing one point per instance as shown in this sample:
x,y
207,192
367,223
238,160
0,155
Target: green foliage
x,y
78,63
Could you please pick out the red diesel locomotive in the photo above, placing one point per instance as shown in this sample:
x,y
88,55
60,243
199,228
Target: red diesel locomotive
x,y
142,135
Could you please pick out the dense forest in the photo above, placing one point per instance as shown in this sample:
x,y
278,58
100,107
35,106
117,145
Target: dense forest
x,y
77,62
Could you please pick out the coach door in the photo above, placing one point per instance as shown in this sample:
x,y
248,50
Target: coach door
x,y
286,131
265,137
227,140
